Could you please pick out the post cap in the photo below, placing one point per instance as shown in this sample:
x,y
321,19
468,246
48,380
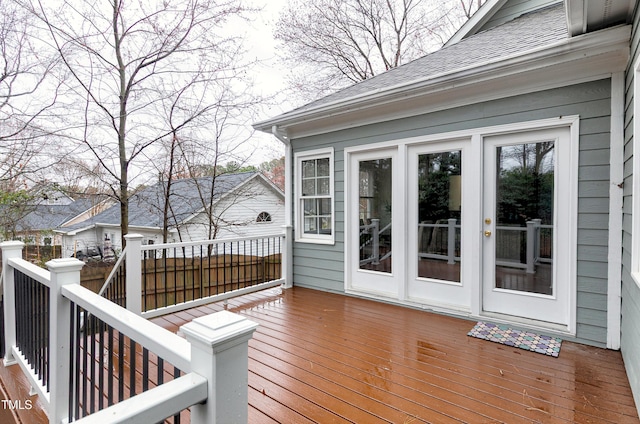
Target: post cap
x,y
64,264
11,245
219,328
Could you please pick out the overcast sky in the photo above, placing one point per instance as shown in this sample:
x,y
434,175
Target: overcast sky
x,y
269,75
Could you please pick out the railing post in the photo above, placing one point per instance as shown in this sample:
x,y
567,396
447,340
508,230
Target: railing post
x,y
286,270
10,249
220,352
133,276
63,271
536,251
531,260
375,244
451,241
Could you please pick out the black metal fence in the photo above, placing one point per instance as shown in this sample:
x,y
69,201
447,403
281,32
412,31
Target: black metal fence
x,y
177,274
115,288
2,339
107,367
32,324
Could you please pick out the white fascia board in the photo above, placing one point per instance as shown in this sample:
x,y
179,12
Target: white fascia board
x,y
138,227
77,231
271,185
579,59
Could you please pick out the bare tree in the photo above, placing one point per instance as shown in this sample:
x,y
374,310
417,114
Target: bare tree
x,y
28,92
330,44
126,58
470,6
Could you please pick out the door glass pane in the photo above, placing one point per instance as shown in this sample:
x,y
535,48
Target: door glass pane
x,y
524,217
439,209
375,214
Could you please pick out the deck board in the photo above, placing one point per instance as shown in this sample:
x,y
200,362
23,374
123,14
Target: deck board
x,y
318,357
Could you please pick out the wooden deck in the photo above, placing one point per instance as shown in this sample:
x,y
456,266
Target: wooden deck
x,y
325,358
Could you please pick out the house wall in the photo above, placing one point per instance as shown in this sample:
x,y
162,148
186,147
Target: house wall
x,y
322,266
95,237
238,212
514,8
630,326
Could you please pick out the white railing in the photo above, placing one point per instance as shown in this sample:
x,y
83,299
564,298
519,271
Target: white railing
x,y
452,228
374,230
167,278
532,236
533,246
190,274
213,343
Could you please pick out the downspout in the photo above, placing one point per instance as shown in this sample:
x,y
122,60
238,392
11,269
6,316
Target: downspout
x,y
287,260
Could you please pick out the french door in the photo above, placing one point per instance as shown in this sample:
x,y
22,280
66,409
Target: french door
x,y
374,236
439,213
526,225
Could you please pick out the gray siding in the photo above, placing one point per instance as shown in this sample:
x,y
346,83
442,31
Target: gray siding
x,y
514,8
630,342
322,267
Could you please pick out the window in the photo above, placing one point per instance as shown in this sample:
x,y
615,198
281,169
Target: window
x,y
263,217
314,196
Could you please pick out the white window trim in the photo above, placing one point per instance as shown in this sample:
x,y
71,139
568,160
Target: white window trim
x,y
635,200
300,236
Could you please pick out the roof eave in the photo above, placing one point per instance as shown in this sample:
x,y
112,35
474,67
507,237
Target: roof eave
x,y
611,42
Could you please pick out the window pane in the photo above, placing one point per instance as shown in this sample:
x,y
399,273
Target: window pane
x,y
310,207
310,225
323,186
375,191
324,206
325,223
323,167
308,187
524,217
439,208
308,168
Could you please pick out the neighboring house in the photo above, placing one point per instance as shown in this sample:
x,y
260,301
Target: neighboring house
x,y
243,204
37,227
493,179
48,209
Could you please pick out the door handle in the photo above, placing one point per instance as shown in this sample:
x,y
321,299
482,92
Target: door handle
x,y
487,233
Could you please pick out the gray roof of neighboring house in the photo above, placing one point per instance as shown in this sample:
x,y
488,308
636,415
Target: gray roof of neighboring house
x,y
523,34
145,206
48,217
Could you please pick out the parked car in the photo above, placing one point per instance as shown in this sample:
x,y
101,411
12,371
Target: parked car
x,y
92,253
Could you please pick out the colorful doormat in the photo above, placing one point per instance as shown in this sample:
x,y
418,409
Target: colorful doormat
x,y
522,339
